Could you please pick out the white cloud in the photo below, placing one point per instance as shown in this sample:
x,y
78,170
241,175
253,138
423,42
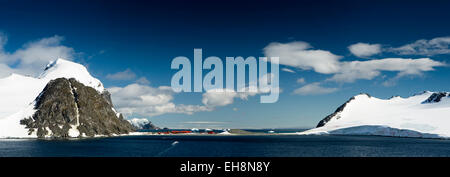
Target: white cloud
x,y
364,49
355,70
300,55
219,97
33,56
314,89
141,100
436,46
222,97
143,81
123,75
301,80
287,70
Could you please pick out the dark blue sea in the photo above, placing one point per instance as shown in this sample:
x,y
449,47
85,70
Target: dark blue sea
x,y
228,146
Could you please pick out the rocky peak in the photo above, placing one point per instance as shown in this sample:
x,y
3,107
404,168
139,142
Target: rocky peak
x,y
436,97
68,108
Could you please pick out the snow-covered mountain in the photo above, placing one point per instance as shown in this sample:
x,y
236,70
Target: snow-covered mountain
x,y
17,91
139,123
142,124
422,115
18,94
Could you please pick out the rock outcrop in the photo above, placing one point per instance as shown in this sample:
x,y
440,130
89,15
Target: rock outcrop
x,y
67,108
436,97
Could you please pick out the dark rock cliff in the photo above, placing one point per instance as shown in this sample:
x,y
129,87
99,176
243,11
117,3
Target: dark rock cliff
x,y
436,97
66,105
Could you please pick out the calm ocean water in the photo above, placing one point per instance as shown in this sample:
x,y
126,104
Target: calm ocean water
x,y
226,146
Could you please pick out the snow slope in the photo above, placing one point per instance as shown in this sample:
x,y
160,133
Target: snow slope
x,y
17,93
139,123
423,115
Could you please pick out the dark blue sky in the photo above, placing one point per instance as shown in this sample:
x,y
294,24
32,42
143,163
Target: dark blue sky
x,y
144,36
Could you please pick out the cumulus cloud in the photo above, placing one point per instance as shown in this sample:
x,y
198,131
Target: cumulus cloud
x,y
33,56
436,46
314,89
222,97
123,75
354,70
300,55
219,97
142,100
364,49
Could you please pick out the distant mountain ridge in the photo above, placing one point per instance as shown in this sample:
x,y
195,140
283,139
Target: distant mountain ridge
x,y
143,124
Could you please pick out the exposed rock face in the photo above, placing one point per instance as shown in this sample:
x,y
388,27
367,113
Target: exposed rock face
x,y
150,126
67,108
436,97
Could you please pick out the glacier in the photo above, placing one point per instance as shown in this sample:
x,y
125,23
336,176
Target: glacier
x,y
424,115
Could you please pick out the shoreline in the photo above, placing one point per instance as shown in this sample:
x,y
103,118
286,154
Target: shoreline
x,y
209,135
146,134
